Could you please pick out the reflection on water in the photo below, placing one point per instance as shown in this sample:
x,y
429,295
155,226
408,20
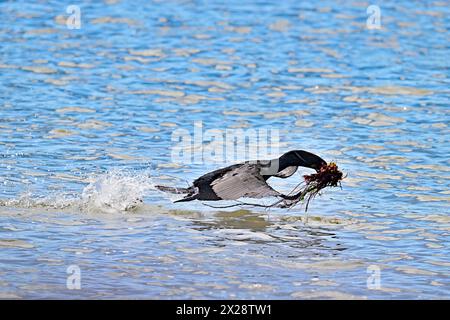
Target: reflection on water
x,y
251,227
195,249
239,219
86,123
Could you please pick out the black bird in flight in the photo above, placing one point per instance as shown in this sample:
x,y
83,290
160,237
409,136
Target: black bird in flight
x,y
247,179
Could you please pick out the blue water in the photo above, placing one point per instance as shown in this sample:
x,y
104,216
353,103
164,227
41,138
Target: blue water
x,y
87,118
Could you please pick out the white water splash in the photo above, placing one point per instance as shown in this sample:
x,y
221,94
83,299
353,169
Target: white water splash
x,y
115,191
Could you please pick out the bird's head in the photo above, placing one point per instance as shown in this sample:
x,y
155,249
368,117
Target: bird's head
x,y
302,158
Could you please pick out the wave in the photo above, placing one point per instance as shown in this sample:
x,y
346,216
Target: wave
x,y
117,190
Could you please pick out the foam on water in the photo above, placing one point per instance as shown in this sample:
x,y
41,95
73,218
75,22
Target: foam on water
x,y
117,190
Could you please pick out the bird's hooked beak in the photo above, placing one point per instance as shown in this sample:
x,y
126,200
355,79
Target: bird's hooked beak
x,y
315,164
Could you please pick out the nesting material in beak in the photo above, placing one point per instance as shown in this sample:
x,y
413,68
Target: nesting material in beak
x,y
327,176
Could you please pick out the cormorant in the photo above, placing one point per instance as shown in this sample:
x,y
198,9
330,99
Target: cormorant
x,y
247,179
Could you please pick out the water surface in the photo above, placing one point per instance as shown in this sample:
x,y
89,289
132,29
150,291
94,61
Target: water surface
x,y
86,123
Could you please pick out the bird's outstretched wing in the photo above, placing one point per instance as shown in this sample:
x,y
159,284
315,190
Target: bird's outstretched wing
x,y
244,181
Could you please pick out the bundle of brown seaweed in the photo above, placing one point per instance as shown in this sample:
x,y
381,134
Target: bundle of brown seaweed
x,y
327,176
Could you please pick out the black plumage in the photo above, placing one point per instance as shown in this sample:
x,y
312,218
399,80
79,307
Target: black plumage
x,y
247,179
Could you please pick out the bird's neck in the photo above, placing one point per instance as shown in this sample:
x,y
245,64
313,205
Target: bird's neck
x,y
279,164
284,162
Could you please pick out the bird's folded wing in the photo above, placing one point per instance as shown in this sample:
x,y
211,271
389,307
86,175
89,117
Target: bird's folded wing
x,y
244,181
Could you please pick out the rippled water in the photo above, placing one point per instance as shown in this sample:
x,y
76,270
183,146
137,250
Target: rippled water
x,y
86,123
